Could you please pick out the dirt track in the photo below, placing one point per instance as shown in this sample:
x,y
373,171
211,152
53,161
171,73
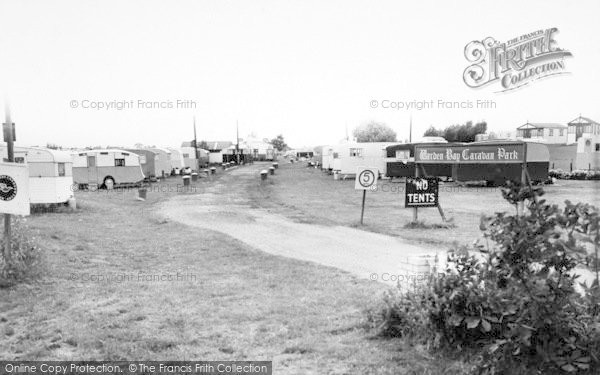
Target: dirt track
x,y
228,210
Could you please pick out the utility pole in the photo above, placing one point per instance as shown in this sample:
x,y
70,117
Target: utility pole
x,y
196,147
8,138
237,141
410,131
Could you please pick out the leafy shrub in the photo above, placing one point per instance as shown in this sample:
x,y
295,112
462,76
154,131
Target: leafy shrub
x,y
515,303
24,258
558,174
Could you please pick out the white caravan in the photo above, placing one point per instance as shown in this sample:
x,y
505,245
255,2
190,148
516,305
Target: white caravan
x,y
177,161
107,167
50,173
163,164
348,156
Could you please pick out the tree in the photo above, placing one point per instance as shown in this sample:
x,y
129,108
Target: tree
x,y
52,146
458,133
374,132
279,143
431,132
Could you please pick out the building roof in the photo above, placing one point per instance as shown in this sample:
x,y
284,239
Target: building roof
x,y
540,125
582,121
212,145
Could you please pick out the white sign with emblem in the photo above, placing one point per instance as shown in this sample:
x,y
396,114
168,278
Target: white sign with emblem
x,y
366,178
14,189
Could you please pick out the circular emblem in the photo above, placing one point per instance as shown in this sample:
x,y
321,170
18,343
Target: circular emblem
x,y
366,178
8,188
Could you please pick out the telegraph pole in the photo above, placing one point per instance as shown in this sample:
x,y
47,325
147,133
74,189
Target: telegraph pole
x,y
237,141
9,139
410,131
196,147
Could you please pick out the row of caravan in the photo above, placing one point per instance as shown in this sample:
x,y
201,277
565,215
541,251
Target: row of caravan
x,y
54,175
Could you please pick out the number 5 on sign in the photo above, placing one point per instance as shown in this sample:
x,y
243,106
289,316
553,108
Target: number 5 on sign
x,y
366,179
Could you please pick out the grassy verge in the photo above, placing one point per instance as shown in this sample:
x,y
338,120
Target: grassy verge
x,y
310,195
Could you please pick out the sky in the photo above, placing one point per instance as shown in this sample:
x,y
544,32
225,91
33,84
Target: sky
x,y
308,70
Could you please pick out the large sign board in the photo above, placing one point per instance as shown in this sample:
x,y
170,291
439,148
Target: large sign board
x,y
421,192
14,189
470,154
366,178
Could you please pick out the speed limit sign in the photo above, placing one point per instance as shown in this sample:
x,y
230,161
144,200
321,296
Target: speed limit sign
x,y
366,178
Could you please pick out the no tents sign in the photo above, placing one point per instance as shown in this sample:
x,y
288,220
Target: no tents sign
x,y
421,192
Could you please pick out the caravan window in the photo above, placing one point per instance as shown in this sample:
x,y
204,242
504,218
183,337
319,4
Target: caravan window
x,y
402,154
61,169
19,159
119,162
357,152
186,155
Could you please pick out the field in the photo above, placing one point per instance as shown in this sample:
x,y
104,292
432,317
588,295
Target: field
x,y
311,195
93,299
122,281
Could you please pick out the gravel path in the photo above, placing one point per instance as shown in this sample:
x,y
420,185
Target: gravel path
x,y
364,254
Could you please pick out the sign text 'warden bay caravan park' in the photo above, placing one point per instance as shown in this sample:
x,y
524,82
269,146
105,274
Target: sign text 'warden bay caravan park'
x,y
501,153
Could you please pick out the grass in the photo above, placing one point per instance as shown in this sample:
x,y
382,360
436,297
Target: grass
x,y
310,195
93,300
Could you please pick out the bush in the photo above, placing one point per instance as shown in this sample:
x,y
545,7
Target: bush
x,y
514,303
25,255
574,175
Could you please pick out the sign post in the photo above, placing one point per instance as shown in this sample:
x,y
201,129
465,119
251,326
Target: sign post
x,y
7,130
366,179
421,192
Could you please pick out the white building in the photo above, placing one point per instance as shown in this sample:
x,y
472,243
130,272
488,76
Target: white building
x,y
586,133
261,149
543,133
188,154
216,150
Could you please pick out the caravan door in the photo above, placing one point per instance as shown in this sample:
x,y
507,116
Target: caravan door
x,y
92,169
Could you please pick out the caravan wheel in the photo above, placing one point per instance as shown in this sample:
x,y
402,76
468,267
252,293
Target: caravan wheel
x,y
109,183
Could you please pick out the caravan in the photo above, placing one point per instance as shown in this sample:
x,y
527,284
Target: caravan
x,y
163,162
107,168
348,156
148,161
50,173
327,154
176,159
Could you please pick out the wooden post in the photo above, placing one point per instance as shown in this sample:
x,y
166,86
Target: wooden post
x,y
362,211
439,206
196,147
11,158
415,209
521,205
